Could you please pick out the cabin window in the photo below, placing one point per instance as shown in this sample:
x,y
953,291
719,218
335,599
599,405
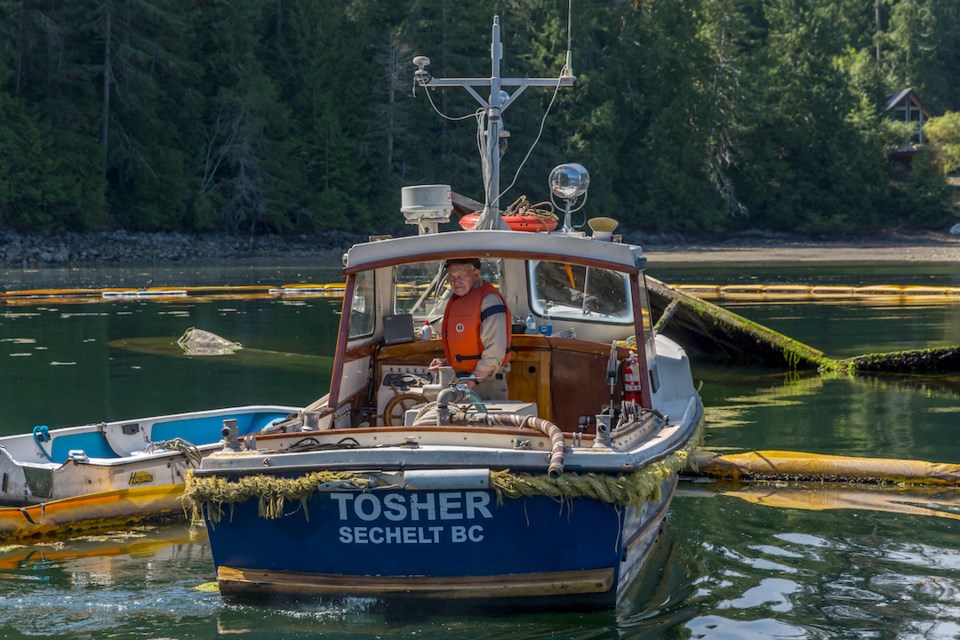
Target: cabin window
x,y
363,310
575,292
421,288
418,289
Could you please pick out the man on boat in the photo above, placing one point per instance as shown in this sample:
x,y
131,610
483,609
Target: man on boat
x,y
476,330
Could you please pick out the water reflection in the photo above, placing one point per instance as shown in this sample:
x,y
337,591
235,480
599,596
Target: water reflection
x,y
819,496
885,416
787,572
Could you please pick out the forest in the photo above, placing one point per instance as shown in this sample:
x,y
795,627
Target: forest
x,y
299,116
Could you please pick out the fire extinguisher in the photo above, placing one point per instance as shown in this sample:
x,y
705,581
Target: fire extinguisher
x,y
631,378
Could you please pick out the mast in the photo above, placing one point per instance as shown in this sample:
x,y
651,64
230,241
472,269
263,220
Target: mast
x,y
498,100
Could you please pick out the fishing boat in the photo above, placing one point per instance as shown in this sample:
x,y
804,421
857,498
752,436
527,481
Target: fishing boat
x,y
95,476
401,482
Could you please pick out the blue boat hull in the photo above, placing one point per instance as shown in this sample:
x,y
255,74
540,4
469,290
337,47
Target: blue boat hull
x,y
443,544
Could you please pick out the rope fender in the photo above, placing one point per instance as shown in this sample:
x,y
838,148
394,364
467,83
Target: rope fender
x,y
210,494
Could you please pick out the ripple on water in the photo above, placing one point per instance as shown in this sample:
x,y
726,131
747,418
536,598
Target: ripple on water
x,y
772,593
721,628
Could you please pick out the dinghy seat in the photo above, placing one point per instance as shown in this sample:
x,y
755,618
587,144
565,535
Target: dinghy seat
x,y
75,445
126,438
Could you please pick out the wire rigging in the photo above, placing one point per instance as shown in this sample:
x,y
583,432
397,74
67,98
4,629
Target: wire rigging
x,y
481,115
536,141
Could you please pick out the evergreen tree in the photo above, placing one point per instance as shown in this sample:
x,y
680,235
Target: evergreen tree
x,y
655,120
32,186
455,36
323,62
921,49
265,116
245,124
725,30
801,146
56,84
144,80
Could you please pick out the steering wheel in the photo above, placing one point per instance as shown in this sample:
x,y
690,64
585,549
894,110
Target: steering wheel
x,y
397,406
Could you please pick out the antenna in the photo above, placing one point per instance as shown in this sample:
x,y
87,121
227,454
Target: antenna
x,y
499,99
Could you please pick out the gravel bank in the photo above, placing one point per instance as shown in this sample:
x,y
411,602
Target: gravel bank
x,y
889,248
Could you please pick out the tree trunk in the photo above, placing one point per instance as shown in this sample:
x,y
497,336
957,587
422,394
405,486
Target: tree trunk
x,y
107,74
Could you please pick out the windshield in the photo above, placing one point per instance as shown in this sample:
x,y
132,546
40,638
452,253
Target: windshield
x,y
576,292
421,289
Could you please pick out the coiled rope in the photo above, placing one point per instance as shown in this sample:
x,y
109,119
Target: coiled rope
x,y
187,448
522,207
428,415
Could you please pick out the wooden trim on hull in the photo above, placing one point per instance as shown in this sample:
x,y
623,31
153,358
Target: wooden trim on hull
x,y
559,583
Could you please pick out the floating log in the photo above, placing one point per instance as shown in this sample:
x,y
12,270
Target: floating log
x,y
797,465
937,359
705,328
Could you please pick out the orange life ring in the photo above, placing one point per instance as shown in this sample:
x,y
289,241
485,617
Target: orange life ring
x,y
516,223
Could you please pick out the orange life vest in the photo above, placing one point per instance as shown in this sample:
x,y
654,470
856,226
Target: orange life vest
x,y
461,327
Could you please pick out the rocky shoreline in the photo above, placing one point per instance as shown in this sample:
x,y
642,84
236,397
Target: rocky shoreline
x,y
18,250
121,247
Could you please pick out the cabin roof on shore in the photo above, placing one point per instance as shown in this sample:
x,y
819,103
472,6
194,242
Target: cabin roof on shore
x,y
908,95
573,248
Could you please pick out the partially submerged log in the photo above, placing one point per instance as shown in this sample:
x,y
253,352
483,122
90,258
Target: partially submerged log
x,y
932,360
705,328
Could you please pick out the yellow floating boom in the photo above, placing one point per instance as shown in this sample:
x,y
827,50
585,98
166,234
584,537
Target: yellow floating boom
x,y
798,465
35,296
733,291
774,291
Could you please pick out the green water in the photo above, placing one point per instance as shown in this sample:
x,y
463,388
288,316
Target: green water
x,y
727,565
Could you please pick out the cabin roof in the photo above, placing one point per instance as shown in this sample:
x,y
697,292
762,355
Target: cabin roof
x,y
908,94
573,249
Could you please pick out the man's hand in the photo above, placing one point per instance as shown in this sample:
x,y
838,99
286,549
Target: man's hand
x,y
472,381
436,363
